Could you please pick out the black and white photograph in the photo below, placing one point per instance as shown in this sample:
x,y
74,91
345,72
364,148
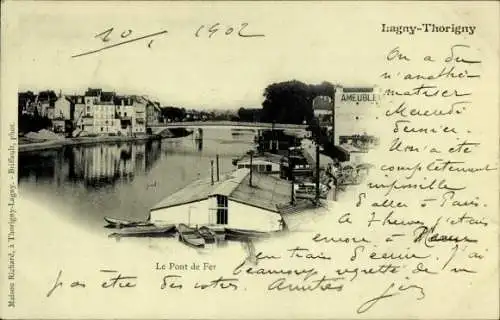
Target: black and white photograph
x,y
201,175
299,160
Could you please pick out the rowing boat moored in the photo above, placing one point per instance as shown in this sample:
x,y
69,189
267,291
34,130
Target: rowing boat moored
x,y
122,223
208,235
190,236
239,234
146,231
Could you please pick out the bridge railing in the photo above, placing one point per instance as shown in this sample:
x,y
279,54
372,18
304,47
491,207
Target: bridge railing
x,y
228,124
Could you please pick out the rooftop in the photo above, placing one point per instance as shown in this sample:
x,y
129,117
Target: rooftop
x,y
107,96
93,92
127,101
266,192
349,147
357,89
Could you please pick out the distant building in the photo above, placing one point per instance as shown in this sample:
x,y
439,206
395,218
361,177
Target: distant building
x,y
44,100
100,107
88,124
62,108
125,111
78,112
139,103
323,109
153,112
25,101
59,125
49,112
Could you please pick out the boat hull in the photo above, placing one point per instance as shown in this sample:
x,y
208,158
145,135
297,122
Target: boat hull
x,y
122,223
146,231
190,236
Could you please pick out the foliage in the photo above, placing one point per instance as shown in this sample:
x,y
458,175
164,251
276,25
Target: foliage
x,y
34,123
173,113
249,115
291,101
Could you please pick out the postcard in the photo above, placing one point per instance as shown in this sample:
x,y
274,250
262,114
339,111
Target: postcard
x,y
249,160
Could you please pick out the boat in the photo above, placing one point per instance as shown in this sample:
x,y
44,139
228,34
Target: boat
x,y
190,236
239,234
208,235
146,231
121,223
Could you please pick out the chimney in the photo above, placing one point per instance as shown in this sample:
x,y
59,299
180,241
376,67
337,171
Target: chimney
x,y
217,166
212,171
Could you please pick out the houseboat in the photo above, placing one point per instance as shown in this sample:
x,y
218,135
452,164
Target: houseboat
x,y
240,200
261,164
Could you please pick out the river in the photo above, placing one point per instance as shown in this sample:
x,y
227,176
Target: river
x,y
123,180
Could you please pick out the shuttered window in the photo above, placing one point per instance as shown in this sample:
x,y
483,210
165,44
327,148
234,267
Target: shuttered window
x,y
222,216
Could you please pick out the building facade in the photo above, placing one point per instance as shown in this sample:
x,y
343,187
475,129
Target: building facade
x,y
139,103
100,107
78,111
125,112
153,113
355,109
62,108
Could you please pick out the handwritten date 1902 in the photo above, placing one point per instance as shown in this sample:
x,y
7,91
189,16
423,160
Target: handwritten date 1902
x,y
124,37
226,30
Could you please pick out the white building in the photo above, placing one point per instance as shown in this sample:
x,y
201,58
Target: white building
x,y
62,108
125,111
355,112
231,203
100,107
139,103
260,164
105,121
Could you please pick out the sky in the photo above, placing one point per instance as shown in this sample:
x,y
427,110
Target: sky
x,y
311,43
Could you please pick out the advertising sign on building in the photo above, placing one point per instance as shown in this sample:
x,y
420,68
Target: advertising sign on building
x,y
354,116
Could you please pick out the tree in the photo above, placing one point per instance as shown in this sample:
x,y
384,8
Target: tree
x,y
291,101
249,115
173,113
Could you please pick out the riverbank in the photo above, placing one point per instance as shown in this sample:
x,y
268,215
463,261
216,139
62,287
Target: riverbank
x,y
55,144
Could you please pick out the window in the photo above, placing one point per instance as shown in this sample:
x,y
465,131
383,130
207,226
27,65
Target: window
x,y
269,167
221,209
101,129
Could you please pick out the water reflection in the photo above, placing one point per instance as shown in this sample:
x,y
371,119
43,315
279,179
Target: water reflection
x,y
94,166
122,180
